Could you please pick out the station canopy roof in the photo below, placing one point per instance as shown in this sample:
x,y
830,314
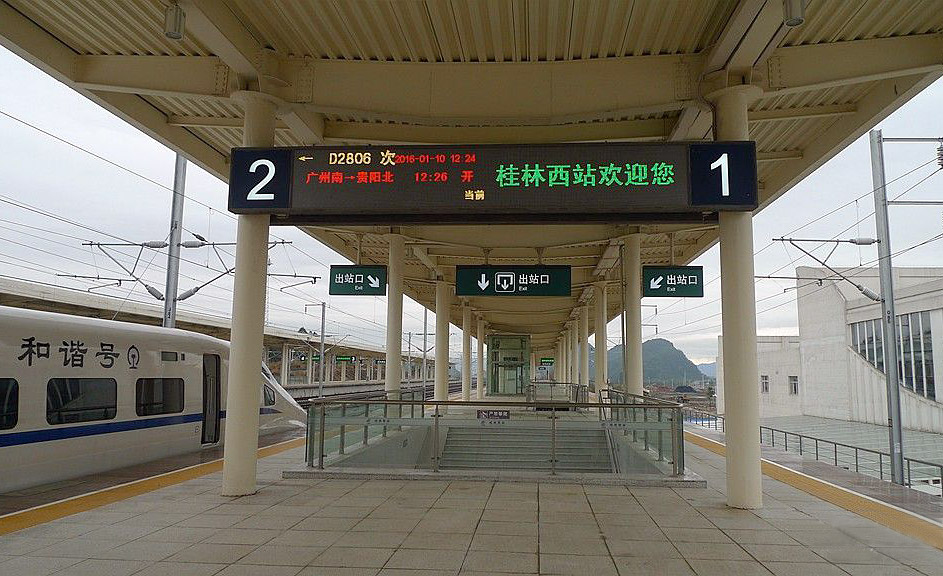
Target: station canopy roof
x,y
471,71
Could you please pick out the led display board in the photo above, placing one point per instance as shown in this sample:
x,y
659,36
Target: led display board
x,y
530,183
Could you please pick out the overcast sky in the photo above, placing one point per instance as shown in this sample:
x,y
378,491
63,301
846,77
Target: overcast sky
x,y
54,196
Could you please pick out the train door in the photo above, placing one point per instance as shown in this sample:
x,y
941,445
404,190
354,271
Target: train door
x,y
211,395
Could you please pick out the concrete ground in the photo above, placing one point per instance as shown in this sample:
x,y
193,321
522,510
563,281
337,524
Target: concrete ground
x,y
416,528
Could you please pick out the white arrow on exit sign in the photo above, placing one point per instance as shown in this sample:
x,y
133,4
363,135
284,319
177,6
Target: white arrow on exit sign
x,y
483,282
374,281
655,283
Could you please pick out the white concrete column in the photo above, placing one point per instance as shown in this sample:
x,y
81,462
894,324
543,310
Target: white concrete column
x,y
602,343
286,365
248,318
633,315
584,344
738,307
558,362
343,366
394,317
482,359
466,352
442,301
575,351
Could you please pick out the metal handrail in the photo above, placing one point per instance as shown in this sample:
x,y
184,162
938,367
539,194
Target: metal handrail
x,y
547,403
816,445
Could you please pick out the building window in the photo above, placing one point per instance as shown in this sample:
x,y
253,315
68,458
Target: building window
x,y
793,384
914,350
158,396
9,403
72,400
764,383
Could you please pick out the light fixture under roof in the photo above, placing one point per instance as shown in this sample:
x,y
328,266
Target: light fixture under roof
x,y
174,20
793,12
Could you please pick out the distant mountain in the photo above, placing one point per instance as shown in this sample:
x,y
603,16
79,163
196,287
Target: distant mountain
x,y
708,369
661,361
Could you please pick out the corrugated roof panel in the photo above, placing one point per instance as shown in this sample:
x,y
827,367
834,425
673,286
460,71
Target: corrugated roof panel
x,y
96,27
830,21
483,30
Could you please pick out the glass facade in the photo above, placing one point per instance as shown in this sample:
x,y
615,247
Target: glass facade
x,y
914,350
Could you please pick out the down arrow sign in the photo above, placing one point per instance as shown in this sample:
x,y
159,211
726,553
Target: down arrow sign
x,y
655,283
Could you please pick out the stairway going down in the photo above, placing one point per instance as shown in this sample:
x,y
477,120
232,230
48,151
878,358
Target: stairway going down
x,y
525,449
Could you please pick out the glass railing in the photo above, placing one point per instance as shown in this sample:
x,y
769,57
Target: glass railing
x,y
622,434
556,392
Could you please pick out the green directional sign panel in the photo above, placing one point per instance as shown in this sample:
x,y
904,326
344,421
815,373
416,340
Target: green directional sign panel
x,y
546,361
512,280
673,281
355,280
345,358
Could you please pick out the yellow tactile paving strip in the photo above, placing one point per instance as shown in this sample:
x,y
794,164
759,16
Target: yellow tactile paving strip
x,y
55,510
885,514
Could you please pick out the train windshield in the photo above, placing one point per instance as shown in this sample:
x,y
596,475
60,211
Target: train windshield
x,y
268,377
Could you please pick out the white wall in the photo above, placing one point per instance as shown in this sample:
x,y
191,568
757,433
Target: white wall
x,y
823,342
834,381
777,357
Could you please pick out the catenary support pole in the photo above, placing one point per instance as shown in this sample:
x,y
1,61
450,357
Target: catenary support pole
x,y
602,353
248,317
394,318
632,359
441,339
738,306
466,351
888,315
173,248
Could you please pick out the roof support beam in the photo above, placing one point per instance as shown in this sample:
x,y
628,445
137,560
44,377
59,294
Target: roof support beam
x,y
801,68
216,27
779,155
754,28
205,76
43,50
877,104
802,113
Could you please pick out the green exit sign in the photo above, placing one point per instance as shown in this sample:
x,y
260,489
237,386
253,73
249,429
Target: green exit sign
x,y
673,281
345,358
546,361
512,280
355,280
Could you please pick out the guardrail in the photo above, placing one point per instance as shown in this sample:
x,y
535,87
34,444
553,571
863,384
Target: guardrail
x,y
556,392
429,389
382,415
864,460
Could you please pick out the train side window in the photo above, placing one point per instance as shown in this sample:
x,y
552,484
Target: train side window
x,y
158,396
268,396
9,403
72,400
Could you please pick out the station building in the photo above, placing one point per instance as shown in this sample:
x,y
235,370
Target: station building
x,y
834,367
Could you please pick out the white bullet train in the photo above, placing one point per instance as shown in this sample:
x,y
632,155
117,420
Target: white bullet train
x,y
81,395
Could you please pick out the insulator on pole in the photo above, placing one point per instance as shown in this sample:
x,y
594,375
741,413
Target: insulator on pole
x,y
939,155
